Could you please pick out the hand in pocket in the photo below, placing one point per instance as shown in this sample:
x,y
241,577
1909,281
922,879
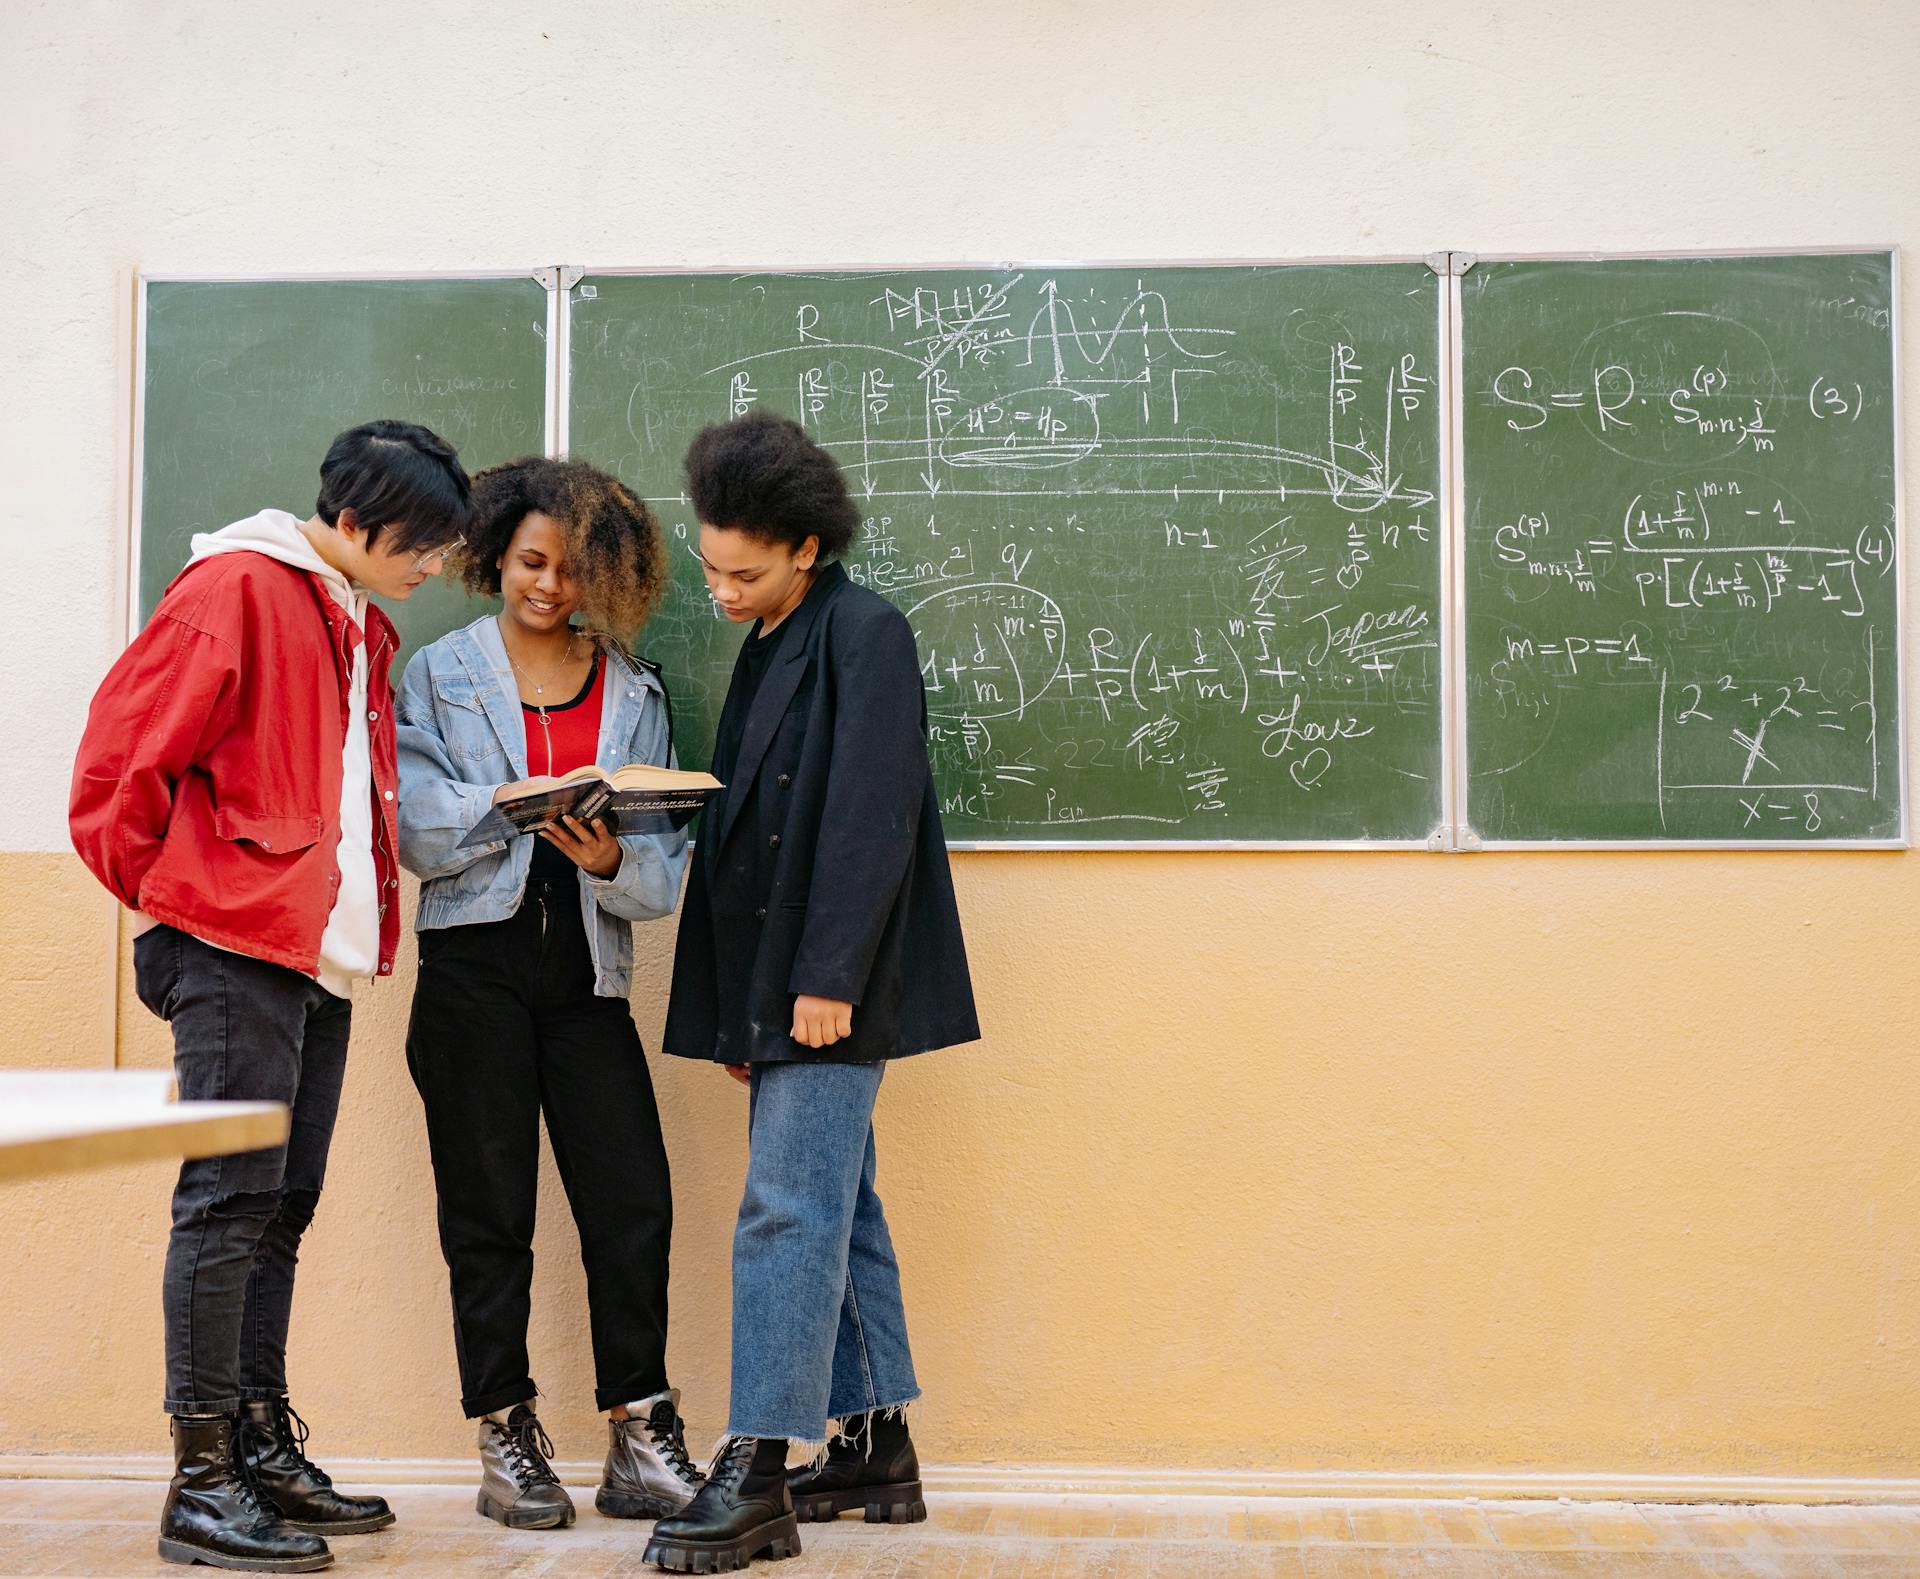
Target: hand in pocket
x,y
156,969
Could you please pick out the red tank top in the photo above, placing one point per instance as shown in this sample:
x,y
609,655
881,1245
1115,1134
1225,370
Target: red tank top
x,y
568,736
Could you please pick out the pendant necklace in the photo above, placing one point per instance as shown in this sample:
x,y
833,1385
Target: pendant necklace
x,y
540,689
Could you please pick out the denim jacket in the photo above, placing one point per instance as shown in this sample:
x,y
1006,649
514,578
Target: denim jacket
x,y
462,735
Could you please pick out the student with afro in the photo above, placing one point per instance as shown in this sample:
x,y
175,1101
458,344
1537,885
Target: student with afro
x,y
819,940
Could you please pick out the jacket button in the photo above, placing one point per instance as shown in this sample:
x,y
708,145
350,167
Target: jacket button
x,y
774,842
785,779
373,717
388,795
266,844
760,914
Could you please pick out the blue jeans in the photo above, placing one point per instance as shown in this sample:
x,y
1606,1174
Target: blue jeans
x,y
819,1331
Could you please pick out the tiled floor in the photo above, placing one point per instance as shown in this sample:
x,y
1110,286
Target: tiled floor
x,y
107,1528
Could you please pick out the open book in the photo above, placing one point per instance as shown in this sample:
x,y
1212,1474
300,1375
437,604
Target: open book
x,y
632,799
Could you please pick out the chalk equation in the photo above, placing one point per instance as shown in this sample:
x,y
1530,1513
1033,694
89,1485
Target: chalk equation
x,y
1680,552
1169,540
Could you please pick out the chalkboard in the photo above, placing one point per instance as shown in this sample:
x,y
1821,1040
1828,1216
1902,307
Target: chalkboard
x,y
246,383
1679,541
1169,537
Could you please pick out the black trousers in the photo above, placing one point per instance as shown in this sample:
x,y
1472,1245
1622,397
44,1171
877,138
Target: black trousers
x,y
243,1030
506,1027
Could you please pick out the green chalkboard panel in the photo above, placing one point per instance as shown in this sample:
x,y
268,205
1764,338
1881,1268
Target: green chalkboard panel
x,y
1168,537
1681,605
247,383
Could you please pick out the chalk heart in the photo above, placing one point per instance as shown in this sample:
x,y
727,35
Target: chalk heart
x,y
1312,768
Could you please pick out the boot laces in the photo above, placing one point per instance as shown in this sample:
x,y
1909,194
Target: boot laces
x,y
246,1478
731,1463
669,1437
528,1448
292,1433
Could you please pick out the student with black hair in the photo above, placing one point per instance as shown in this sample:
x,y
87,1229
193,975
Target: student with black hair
x,y
526,955
235,787
819,939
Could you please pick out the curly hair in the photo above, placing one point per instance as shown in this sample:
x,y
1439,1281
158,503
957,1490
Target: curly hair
x,y
760,474
615,550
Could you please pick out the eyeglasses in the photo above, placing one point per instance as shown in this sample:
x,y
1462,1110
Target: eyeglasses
x,y
421,561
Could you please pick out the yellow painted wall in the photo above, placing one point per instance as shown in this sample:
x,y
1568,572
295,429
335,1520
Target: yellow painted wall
x,y
1586,1162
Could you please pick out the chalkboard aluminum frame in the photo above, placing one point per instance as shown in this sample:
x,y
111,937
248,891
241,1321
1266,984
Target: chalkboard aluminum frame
x,y
129,611
1444,836
1466,840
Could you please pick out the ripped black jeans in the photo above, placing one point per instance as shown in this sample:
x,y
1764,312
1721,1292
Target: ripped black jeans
x,y
243,1030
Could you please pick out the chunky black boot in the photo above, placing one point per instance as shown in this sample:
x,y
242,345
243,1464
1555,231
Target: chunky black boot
x,y
214,1514
742,1512
273,1439
871,1466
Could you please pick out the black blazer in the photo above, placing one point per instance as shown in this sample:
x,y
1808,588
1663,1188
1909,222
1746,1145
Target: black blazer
x,y
823,868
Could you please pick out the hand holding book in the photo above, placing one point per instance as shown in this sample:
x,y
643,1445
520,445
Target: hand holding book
x,y
629,799
594,846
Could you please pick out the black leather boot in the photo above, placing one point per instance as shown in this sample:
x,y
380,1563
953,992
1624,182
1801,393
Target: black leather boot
x,y
273,1439
871,1465
742,1512
214,1514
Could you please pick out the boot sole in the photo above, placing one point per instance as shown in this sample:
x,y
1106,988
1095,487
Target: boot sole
x,y
172,1551
634,1505
779,1538
901,1503
345,1527
527,1519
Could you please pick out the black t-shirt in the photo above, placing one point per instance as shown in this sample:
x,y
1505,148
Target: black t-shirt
x,y
733,717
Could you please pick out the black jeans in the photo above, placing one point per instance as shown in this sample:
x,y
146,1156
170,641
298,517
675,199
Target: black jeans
x,y
243,1030
506,1027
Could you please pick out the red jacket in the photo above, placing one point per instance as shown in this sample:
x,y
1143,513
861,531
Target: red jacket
x,y
206,793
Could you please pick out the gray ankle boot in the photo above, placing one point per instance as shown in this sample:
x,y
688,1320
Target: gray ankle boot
x,y
648,1473
518,1487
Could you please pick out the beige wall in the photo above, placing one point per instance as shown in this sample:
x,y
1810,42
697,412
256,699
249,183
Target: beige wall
x,y
1253,1151
1578,1162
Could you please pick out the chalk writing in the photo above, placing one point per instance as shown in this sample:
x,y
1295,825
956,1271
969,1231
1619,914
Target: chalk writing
x,y
1168,539
1680,546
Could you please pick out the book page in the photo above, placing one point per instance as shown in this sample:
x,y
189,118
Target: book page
x,y
540,783
642,775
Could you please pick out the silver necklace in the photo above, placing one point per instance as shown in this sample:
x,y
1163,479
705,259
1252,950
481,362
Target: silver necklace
x,y
540,686
540,689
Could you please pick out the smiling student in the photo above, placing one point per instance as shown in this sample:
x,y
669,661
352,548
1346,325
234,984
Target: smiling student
x,y
526,955
235,786
819,939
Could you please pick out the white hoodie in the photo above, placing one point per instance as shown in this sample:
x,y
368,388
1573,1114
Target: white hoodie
x,y
350,945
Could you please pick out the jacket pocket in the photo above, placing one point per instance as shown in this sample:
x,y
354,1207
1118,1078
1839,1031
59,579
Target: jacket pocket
x,y
458,693
465,730
277,835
